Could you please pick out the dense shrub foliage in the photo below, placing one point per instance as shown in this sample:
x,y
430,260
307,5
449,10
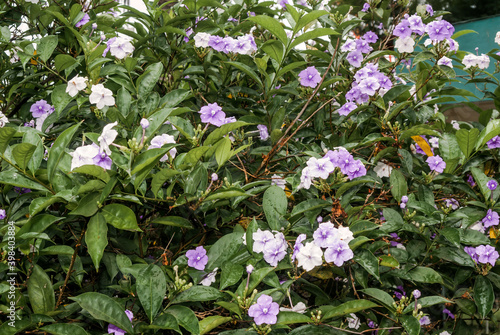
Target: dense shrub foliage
x,y
244,167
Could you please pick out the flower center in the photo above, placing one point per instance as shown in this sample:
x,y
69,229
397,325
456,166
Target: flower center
x,y
264,310
198,258
310,77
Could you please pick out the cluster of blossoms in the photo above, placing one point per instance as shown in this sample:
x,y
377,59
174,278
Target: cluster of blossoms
x,y
404,30
356,48
244,44
40,111
119,47
367,82
471,60
335,241
96,155
483,254
272,246
213,114
321,168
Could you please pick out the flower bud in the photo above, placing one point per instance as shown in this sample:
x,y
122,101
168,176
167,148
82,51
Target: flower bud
x,y
144,123
214,176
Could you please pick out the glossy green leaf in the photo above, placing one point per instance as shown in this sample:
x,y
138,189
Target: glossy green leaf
x,y
223,151
223,250
273,49
481,181
410,324
271,24
312,34
6,133
96,238
58,149
121,217
15,178
383,297
60,99
274,204
349,307
231,273
484,296
248,71
288,317
22,153
64,329
175,221
368,261
151,288
148,80
46,47
40,291
62,62
211,322
185,317
399,187
197,293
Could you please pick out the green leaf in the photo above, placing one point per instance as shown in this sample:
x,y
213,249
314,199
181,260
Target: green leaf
x,y
418,130
314,330
274,49
312,34
212,322
6,133
198,293
22,154
151,288
274,204
96,238
484,296
289,317
271,24
248,71
58,250
425,275
452,235
40,291
223,250
12,177
57,150
175,221
429,301
94,171
448,147
399,186
218,133
347,186
223,151
123,100
64,329
349,307
165,321
388,261
60,99
410,324
161,177
105,308
230,274
467,140
46,47
491,130
230,306
88,205
146,161
147,81
227,194
62,62
185,317
454,255
308,18
368,261
383,297
481,180
121,217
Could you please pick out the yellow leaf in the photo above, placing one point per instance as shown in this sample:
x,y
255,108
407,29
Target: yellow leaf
x,y
493,233
422,143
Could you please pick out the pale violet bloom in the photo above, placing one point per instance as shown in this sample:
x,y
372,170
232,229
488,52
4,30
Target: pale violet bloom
x,y
159,141
144,123
263,132
121,47
497,38
353,321
84,155
382,170
320,168
260,239
298,308
325,235
338,253
478,226
274,251
101,96
434,142
3,120
309,256
278,181
406,44
483,61
107,137
445,61
209,278
305,179
75,85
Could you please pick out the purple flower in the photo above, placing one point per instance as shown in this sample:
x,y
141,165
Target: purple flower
x,y
399,294
449,313
320,168
440,30
417,294
436,163
263,133
283,3
298,245
471,181
112,329
424,320
338,253
403,29
212,114
355,170
260,239
264,311
416,24
369,86
363,46
395,236
309,77
355,58
249,268
217,43
347,108
103,160
21,190
404,199
486,254
40,108
3,214
84,20
491,219
326,235
275,251
144,123
429,10
366,6
471,251
494,143
214,176
197,258
492,184
370,37
108,45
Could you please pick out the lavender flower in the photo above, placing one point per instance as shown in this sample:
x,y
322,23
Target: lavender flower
x,y
112,329
440,30
144,123
366,6
212,114
355,58
274,251
103,160
320,168
264,311
209,278
347,108
263,132
3,214
471,251
424,320
491,219
298,245
436,163
401,293
309,256
249,268
338,253
492,184
429,10
276,180
449,313
326,235
417,294
370,37
83,21
214,177
310,77
486,254
494,143
403,29
471,181
40,108
197,258
260,239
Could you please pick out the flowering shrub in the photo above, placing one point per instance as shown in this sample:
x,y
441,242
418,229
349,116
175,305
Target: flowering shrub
x,y
244,167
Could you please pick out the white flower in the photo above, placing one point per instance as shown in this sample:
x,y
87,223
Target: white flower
x,y
3,120
405,44
159,141
455,124
32,1
201,40
444,333
382,170
469,61
478,226
84,155
298,308
353,321
278,181
75,85
345,234
209,278
434,142
40,120
497,38
144,123
121,48
445,61
107,137
309,256
101,96
483,61
427,42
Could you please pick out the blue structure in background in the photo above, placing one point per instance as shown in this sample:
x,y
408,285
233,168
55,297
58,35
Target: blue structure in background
x,y
484,40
